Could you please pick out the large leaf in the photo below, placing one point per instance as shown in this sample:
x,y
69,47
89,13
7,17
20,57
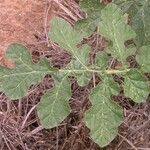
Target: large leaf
x,y
54,105
139,18
136,86
15,82
104,116
143,58
63,34
115,28
93,9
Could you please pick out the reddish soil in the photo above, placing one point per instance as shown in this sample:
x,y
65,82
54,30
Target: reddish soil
x,y
20,20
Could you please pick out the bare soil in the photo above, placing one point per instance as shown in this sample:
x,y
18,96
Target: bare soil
x,y
27,22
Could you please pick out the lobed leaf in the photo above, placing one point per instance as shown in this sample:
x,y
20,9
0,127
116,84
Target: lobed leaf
x,y
139,18
62,33
86,26
101,61
115,28
79,67
124,4
136,86
16,81
143,58
54,105
91,5
93,9
104,117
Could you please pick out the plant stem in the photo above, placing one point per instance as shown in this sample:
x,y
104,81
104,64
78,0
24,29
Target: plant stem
x,y
109,71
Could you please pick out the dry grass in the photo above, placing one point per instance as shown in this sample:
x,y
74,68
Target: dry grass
x,y
19,125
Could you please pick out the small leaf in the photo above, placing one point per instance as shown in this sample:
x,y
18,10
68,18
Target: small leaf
x,y
113,86
15,82
54,105
136,86
124,4
79,66
83,79
115,28
93,9
62,33
91,5
128,52
86,26
101,61
143,58
104,116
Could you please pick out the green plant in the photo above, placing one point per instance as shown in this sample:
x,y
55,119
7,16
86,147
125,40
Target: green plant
x,y
139,18
93,16
105,115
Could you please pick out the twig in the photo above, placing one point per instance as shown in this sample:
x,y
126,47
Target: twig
x,y
57,138
129,142
36,130
47,9
65,10
25,120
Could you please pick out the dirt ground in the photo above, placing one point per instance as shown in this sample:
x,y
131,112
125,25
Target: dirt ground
x,y
20,21
27,22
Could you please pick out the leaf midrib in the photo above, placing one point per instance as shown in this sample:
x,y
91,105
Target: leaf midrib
x,y
71,49
111,71
25,73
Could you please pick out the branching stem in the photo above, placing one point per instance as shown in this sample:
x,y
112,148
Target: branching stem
x,y
110,71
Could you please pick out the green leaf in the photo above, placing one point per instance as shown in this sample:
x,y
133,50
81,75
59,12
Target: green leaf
x,y
62,33
115,28
136,86
141,24
54,105
79,66
15,82
83,78
101,61
124,4
86,26
143,58
104,117
93,9
91,5
128,52
139,18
